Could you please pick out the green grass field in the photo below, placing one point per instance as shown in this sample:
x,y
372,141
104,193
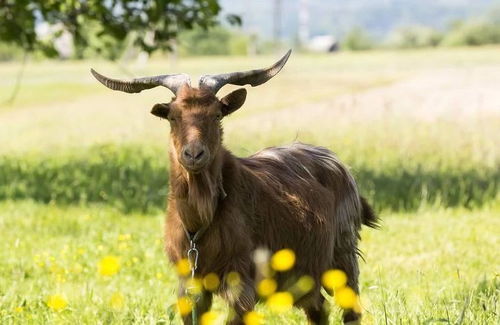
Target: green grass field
x,y
83,175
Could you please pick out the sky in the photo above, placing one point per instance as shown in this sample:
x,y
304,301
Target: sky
x,y
337,17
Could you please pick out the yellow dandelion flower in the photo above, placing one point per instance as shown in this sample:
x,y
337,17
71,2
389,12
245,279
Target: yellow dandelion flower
x,y
253,318
56,302
233,279
266,287
194,286
305,284
122,246
159,275
109,265
357,306
211,282
123,237
19,309
183,267
117,301
334,279
135,260
283,260
184,305
209,318
280,302
345,297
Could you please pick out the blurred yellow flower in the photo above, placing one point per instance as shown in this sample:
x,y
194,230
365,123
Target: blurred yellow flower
x,y
56,302
117,301
345,297
184,305
209,318
266,287
334,279
183,267
211,282
253,318
19,309
109,265
159,275
123,237
305,284
280,302
194,286
233,279
283,260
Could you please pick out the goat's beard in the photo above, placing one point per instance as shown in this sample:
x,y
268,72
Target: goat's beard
x,y
202,194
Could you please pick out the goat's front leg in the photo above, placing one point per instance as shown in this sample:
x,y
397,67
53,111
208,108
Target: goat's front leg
x,y
201,306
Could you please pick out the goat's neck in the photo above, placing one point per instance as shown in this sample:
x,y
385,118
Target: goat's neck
x,y
196,195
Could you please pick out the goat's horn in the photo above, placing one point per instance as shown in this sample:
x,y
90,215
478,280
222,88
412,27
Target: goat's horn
x,y
172,82
253,77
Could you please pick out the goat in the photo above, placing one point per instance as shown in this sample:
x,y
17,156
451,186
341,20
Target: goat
x,y
299,197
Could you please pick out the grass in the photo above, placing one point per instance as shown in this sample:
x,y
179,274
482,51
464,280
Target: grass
x,y
427,268
134,178
83,174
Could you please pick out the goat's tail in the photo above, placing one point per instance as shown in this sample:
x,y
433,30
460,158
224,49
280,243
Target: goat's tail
x,y
368,217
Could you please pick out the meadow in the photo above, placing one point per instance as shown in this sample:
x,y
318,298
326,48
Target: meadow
x,y
83,175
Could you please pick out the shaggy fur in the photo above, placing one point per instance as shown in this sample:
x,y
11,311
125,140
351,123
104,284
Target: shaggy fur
x,y
299,197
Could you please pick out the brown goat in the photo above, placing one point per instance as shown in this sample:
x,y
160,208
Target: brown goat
x,y
299,197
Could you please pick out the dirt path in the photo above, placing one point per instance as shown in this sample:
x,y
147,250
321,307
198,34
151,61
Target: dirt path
x,y
450,94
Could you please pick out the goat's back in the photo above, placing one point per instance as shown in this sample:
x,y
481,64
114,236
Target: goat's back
x,y
306,200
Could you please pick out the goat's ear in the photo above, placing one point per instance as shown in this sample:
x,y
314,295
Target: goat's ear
x,y
160,110
233,101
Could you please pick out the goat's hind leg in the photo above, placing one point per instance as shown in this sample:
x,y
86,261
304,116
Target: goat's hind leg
x,y
316,310
244,302
348,263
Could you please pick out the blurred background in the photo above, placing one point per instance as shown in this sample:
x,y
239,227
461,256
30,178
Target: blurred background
x,y
407,93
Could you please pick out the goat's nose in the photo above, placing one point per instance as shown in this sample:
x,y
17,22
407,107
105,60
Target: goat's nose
x,y
194,153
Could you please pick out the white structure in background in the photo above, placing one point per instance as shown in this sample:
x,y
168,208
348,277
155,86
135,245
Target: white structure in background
x,y
63,43
322,43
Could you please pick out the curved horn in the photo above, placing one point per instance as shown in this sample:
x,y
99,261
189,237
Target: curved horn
x,y
253,77
172,82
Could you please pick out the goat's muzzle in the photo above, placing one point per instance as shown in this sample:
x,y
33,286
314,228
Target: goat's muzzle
x,y
194,156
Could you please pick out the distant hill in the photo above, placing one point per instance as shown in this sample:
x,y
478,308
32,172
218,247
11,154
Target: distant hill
x,y
336,17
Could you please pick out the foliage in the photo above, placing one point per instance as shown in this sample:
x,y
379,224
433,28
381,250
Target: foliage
x,y
357,40
129,178
152,23
217,41
9,52
473,33
415,37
